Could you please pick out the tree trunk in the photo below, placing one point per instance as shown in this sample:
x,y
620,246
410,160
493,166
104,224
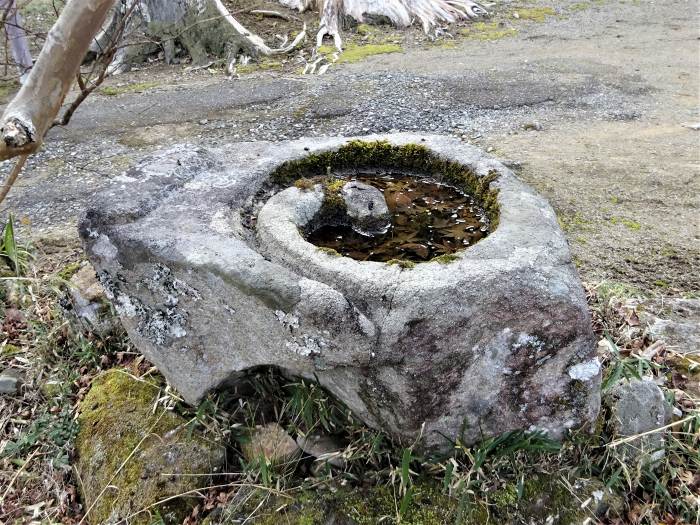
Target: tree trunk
x,y
202,27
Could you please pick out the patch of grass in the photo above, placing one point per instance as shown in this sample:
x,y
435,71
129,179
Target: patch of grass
x,y
7,89
575,222
365,29
136,87
487,31
41,8
535,14
446,44
628,223
263,65
606,290
579,6
357,52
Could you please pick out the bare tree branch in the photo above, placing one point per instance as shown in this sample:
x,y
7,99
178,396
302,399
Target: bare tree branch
x,y
30,114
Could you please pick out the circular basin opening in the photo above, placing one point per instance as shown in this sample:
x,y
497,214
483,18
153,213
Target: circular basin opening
x,y
426,219
389,203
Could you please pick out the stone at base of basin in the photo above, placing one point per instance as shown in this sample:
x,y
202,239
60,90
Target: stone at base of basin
x,y
497,339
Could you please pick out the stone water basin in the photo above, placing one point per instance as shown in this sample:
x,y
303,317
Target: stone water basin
x,y
204,254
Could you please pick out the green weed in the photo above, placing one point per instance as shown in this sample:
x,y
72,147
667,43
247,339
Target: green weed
x,y
13,254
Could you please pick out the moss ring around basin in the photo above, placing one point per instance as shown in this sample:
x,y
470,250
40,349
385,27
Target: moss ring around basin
x,y
201,252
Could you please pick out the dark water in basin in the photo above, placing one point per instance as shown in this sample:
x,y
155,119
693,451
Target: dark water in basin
x,y
429,219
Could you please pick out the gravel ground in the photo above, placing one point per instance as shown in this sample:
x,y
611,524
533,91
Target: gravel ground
x,y
605,85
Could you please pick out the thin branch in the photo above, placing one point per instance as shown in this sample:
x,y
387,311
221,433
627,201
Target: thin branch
x,y
271,14
105,59
12,177
627,439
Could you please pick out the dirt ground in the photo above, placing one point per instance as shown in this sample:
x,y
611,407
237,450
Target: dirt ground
x,y
607,86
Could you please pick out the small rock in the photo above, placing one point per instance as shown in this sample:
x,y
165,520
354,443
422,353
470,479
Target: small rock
x,y
86,285
89,300
532,126
324,448
366,208
639,406
273,443
9,384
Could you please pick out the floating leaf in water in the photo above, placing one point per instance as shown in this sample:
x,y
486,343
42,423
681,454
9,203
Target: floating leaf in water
x,y
421,250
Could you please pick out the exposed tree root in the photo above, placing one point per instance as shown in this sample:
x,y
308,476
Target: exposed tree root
x,y
206,27
201,27
402,13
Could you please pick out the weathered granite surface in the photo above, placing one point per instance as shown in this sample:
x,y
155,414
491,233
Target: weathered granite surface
x,y
498,339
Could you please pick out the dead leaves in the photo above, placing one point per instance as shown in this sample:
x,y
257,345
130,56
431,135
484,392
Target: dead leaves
x,y
429,219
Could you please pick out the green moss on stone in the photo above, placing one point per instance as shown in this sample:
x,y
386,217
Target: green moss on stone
x,y
142,455
410,158
304,184
406,265
544,499
367,506
333,201
328,251
446,258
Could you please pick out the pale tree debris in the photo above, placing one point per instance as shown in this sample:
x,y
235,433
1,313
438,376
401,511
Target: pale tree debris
x,y
271,14
16,38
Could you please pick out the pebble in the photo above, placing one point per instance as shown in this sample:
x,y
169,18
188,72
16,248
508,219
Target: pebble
x,y
271,442
9,384
532,126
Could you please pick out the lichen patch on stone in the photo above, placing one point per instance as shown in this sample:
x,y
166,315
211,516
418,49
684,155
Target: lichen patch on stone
x,y
585,371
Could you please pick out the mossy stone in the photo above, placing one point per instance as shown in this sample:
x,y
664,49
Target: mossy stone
x,y
347,506
130,456
546,498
